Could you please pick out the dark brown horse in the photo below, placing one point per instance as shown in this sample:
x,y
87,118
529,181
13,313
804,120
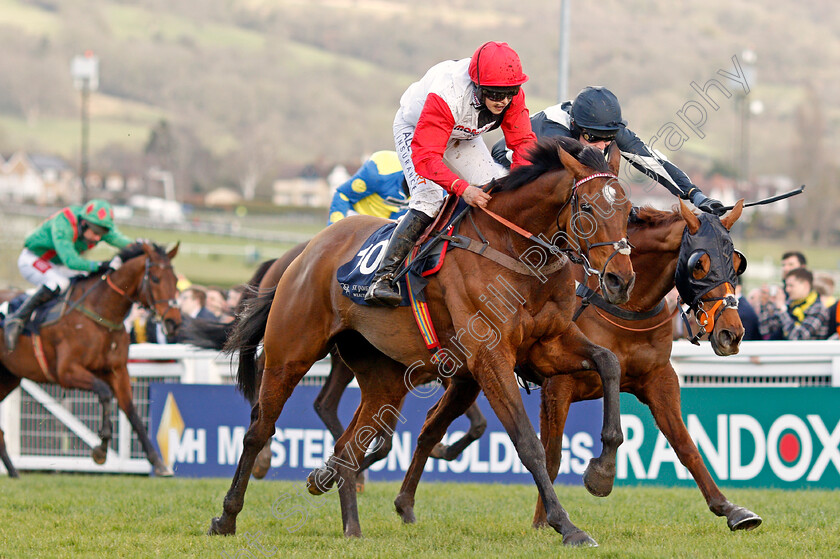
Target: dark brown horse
x,y
383,348
643,346
87,346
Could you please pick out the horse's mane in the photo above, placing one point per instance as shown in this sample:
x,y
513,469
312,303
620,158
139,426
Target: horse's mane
x,y
651,217
545,157
136,249
131,251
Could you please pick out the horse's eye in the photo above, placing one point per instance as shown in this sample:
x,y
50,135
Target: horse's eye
x,y
586,207
155,279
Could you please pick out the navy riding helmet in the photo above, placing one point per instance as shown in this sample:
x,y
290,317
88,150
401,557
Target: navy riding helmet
x,y
596,108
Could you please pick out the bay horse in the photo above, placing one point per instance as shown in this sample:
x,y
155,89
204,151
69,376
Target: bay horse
x,y
213,335
641,339
86,347
382,346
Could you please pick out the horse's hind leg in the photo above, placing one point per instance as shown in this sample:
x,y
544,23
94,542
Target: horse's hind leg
x,y
8,382
278,381
326,403
103,392
478,424
556,395
121,383
459,395
662,395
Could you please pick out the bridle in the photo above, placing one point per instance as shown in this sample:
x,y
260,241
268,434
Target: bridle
x,y
151,304
706,319
622,246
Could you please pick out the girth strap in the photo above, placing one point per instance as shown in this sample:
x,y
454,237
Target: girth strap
x,y
592,297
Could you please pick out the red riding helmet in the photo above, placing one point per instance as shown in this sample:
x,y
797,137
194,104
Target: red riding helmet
x,y
496,65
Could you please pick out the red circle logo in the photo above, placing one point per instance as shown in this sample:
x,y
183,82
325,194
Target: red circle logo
x,y
789,447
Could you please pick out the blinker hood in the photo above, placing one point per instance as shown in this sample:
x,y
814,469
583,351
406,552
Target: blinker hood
x,y
713,239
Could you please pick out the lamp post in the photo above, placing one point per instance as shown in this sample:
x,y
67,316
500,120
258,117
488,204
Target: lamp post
x,y
748,60
85,72
563,69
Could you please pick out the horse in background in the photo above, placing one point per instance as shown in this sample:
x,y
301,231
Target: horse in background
x,y
86,347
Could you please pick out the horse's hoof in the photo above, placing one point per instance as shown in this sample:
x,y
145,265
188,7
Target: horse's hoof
x,y
162,470
354,531
217,528
316,484
579,539
742,519
259,471
99,454
405,510
262,463
439,451
597,479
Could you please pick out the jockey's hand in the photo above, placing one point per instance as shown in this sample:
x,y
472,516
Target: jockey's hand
x,y
475,197
712,206
115,263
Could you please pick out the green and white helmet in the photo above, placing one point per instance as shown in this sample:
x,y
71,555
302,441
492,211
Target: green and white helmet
x,y
99,212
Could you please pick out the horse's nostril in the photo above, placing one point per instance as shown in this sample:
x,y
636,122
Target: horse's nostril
x,y
612,281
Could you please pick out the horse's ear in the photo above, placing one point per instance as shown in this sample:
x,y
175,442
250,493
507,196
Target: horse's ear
x,y
690,219
570,163
729,219
171,254
614,158
148,249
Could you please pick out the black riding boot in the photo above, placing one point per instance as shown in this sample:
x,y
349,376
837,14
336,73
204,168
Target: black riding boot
x,y
15,322
382,291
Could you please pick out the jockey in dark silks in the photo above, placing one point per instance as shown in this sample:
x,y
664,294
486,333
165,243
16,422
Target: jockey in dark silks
x,y
594,118
52,255
437,133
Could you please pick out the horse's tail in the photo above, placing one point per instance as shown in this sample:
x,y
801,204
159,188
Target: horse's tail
x,y
253,284
246,337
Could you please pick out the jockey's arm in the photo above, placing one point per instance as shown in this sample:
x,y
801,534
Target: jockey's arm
x,y
656,166
115,238
62,240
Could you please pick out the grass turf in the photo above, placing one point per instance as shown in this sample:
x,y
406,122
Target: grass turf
x,y
66,515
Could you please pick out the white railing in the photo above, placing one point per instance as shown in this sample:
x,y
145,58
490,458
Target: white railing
x,y
50,428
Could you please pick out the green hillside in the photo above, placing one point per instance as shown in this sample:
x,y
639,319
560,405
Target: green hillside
x,y
273,85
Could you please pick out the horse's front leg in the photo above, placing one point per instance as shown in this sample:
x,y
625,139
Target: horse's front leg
x,y
121,383
478,424
662,395
494,373
572,351
8,382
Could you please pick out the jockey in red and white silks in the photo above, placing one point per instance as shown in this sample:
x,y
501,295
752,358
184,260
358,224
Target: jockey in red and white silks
x,y
437,133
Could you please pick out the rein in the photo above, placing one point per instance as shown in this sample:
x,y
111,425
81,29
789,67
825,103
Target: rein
x,y
144,289
621,246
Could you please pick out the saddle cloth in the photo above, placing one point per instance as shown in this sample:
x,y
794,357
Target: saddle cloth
x,y
356,275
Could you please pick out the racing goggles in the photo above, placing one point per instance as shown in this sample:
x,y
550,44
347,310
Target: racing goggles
x,y
499,94
595,136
